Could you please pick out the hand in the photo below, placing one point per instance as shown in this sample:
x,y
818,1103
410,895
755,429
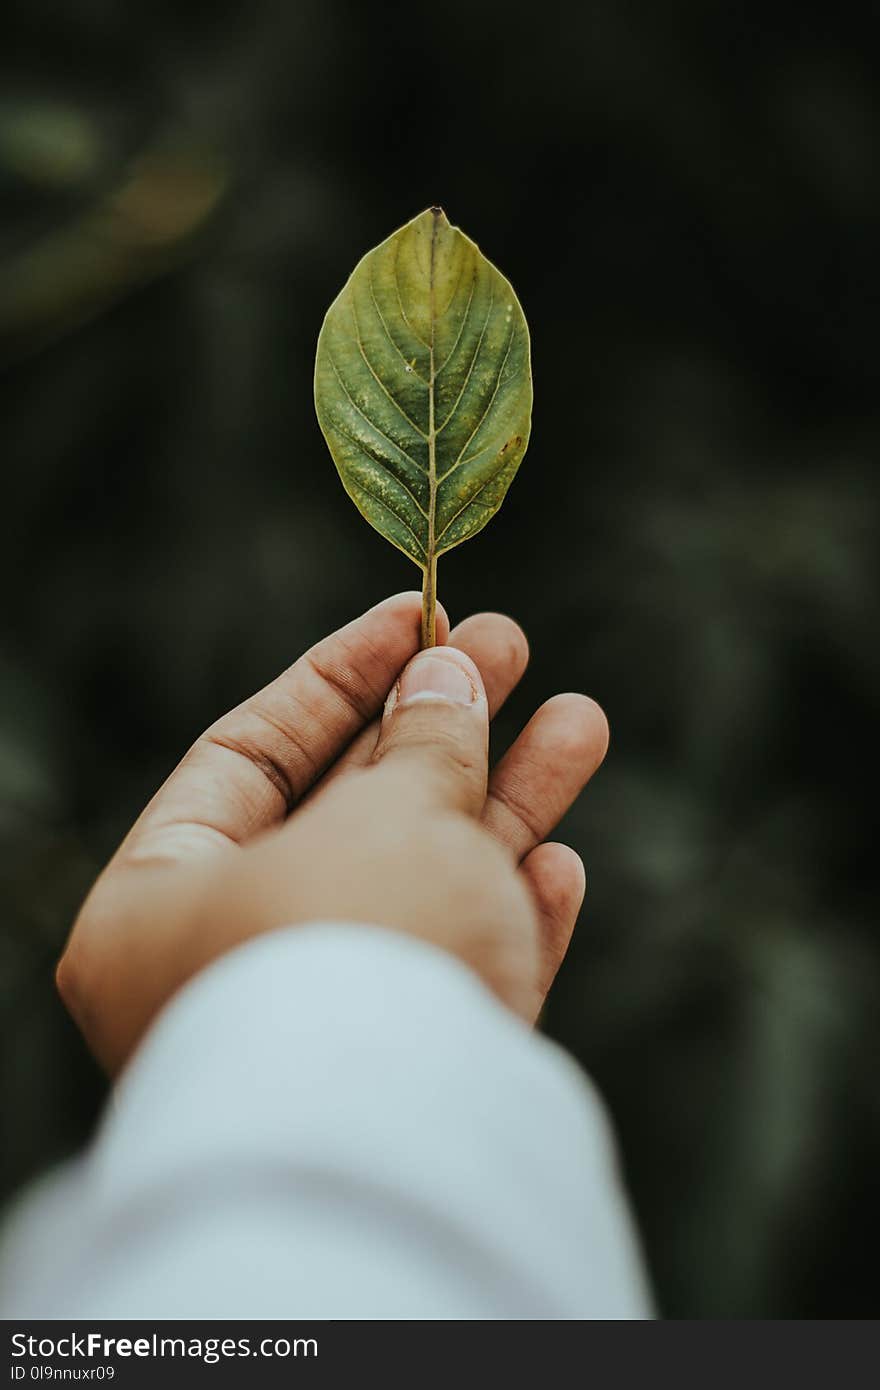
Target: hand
x,y
301,804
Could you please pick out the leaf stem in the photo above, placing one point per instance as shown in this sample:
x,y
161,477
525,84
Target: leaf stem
x,y
429,604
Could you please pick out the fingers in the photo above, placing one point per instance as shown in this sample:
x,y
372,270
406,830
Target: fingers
x,y
244,774
555,876
435,732
499,648
543,772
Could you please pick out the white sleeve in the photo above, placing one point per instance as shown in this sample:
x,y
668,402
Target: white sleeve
x,y
335,1121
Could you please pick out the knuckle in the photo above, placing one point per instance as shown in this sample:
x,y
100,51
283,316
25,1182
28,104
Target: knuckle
x,y
340,676
80,975
446,764
66,980
516,808
450,760
276,752
71,980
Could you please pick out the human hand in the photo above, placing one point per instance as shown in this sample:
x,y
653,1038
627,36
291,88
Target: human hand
x,y
301,805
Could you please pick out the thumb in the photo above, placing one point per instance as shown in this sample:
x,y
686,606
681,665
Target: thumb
x,y
436,726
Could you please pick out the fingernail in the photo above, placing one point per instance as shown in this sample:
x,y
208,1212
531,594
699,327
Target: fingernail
x,y
430,677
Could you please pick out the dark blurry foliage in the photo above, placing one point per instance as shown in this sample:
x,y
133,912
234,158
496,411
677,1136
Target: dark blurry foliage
x,y
686,197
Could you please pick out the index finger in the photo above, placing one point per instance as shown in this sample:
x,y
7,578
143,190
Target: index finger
x,y
247,771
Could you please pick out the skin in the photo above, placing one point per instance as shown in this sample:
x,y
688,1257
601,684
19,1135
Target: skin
x,y
333,794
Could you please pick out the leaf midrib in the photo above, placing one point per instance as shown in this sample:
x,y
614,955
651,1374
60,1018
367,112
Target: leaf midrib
x,y
432,433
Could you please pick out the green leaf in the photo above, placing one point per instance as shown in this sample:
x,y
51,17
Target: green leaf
x,y
423,390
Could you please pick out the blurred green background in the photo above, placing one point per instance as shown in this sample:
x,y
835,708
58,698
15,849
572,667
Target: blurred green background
x,y
686,196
